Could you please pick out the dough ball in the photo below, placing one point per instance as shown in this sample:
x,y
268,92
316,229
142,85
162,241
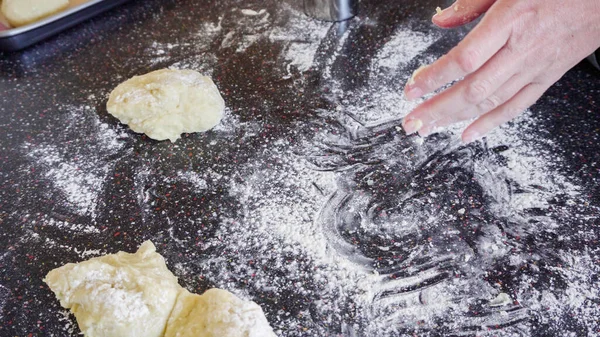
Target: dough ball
x,y
23,12
135,295
165,103
216,313
118,295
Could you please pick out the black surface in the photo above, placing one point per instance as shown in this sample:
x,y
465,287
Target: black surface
x,y
93,57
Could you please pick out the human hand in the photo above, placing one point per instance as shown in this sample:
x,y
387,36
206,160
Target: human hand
x,y
517,51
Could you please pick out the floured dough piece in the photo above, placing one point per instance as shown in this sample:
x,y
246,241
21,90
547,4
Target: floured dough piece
x,y
118,295
165,103
135,295
22,12
216,313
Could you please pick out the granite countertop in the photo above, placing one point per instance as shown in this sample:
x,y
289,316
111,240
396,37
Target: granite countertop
x,y
307,198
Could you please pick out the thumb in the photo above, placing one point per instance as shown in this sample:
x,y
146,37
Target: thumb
x,y
461,12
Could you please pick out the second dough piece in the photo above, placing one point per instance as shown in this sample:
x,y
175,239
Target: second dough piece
x,y
216,313
135,295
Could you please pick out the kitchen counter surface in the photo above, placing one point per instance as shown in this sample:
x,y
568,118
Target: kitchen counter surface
x,y
307,198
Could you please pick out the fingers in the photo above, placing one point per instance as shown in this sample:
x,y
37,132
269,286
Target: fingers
x,y
461,12
457,102
501,96
475,50
506,62
507,111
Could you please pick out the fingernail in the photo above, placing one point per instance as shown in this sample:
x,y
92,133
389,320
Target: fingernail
x,y
410,91
444,14
412,126
415,73
469,137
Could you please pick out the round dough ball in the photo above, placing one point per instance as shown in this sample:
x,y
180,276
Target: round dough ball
x,y
165,103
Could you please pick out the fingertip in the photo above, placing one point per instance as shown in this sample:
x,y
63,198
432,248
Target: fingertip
x,y
458,15
445,14
445,25
412,94
454,21
412,125
443,22
470,135
447,18
412,90
426,131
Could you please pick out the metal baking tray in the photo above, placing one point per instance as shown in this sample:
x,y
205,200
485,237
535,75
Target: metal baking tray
x,y
21,37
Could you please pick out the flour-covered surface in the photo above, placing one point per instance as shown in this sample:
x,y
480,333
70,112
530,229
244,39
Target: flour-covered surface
x,y
308,198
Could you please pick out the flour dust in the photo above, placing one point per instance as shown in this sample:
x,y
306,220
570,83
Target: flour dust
x,y
340,224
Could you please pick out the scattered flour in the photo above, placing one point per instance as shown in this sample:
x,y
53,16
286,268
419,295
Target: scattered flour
x,y
79,186
403,46
302,36
68,227
5,294
364,230
309,212
79,179
194,178
241,29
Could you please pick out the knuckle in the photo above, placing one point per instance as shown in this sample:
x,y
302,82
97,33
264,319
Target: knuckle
x,y
435,115
511,48
477,91
489,104
468,60
431,83
526,12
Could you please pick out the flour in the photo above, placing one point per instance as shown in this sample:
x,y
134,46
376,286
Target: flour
x,y
64,317
316,214
68,227
527,165
78,180
402,47
198,45
302,36
239,30
341,224
382,96
5,294
78,186
194,178
251,12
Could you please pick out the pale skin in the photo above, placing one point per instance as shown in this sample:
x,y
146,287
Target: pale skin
x,y
514,54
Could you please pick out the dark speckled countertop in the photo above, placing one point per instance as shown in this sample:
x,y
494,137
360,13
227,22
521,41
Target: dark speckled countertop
x,y
308,199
